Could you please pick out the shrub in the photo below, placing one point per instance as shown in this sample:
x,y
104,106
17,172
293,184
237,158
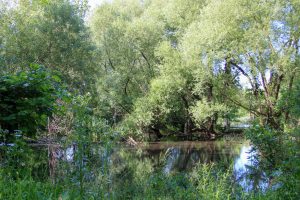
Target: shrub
x,y
27,98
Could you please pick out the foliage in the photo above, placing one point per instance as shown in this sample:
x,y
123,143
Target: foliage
x,y
28,189
244,59
251,41
28,98
203,110
153,62
278,157
126,36
172,68
87,126
49,33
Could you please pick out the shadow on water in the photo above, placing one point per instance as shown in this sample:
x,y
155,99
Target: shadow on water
x,y
184,157
164,157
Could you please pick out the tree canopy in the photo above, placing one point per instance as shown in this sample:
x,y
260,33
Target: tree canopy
x,y
177,66
183,65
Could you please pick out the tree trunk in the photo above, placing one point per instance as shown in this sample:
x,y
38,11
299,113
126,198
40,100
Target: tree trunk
x,y
187,124
227,124
211,120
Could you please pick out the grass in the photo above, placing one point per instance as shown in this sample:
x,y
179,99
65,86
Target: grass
x,y
205,182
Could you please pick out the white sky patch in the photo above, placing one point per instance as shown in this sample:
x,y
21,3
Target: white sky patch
x,y
244,81
94,3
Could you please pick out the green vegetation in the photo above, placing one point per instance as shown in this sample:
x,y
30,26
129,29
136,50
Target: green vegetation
x,y
27,99
143,71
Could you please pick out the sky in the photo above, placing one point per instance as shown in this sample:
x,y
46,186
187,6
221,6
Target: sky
x,y
95,3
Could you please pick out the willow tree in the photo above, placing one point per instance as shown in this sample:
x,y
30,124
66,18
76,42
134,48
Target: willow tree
x,y
178,65
126,36
165,105
258,40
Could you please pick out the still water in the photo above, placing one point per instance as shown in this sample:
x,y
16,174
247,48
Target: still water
x,y
172,157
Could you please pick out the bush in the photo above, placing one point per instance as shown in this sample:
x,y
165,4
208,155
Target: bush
x,y
27,98
279,158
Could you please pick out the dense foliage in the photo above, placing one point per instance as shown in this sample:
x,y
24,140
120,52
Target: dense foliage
x,y
149,70
27,98
192,64
182,67
50,33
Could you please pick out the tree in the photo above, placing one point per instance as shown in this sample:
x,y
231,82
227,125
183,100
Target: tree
x,y
50,33
258,40
126,36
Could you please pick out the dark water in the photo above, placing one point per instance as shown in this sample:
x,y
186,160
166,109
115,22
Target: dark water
x,y
115,164
184,156
171,157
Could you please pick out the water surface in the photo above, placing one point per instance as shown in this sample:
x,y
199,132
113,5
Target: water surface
x,y
120,161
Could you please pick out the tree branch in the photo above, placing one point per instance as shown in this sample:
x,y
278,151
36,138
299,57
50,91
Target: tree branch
x,y
243,72
146,59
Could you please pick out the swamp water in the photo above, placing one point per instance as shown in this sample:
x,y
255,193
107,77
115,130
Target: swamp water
x,y
120,164
161,170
